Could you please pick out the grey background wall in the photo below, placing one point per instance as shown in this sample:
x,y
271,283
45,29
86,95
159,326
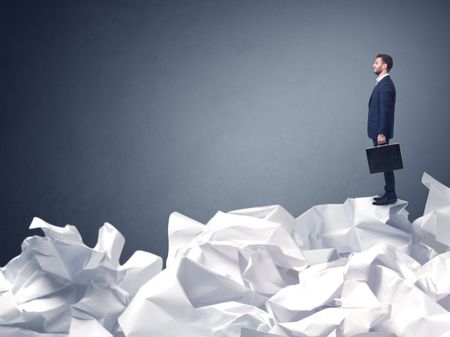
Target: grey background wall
x,y
124,111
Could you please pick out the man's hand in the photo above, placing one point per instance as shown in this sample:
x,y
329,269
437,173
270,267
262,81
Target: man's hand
x,y
381,139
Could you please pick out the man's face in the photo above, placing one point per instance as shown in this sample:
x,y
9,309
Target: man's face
x,y
378,66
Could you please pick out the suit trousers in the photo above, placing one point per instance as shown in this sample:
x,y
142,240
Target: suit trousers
x,y
389,179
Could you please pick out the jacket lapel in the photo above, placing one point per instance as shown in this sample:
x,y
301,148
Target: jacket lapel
x,y
375,88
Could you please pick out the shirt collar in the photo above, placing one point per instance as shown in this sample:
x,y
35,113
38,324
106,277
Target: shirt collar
x,y
379,78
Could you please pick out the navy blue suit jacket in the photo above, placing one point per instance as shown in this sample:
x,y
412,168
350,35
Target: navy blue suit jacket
x,y
381,109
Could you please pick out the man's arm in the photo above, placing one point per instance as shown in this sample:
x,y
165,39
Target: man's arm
x,y
386,108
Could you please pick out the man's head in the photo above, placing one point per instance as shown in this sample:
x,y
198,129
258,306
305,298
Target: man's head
x,y
383,64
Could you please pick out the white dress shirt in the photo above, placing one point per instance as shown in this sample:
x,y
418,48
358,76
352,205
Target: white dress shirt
x,y
379,78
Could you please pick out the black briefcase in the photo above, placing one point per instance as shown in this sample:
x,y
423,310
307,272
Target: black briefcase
x,y
384,158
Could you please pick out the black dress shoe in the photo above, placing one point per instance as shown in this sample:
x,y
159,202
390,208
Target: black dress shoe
x,y
385,201
379,198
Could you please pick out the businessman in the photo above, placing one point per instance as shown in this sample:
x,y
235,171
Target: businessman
x,y
380,125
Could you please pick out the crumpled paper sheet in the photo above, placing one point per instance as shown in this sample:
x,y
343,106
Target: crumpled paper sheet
x,y
58,286
349,269
357,225
436,216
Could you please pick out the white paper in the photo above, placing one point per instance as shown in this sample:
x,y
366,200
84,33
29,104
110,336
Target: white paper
x,y
59,287
350,269
436,216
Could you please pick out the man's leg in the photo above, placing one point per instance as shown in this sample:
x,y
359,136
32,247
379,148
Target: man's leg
x,y
389,179
389,186
389,182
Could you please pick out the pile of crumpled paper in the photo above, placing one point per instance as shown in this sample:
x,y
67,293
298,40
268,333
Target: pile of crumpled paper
x,y
337,270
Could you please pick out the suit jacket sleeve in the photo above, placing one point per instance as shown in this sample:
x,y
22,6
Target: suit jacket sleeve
x,y
386,108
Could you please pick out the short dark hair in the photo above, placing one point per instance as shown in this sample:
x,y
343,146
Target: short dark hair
x,y
386,59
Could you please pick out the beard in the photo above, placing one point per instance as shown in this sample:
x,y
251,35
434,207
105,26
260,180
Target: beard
x,y
377,71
